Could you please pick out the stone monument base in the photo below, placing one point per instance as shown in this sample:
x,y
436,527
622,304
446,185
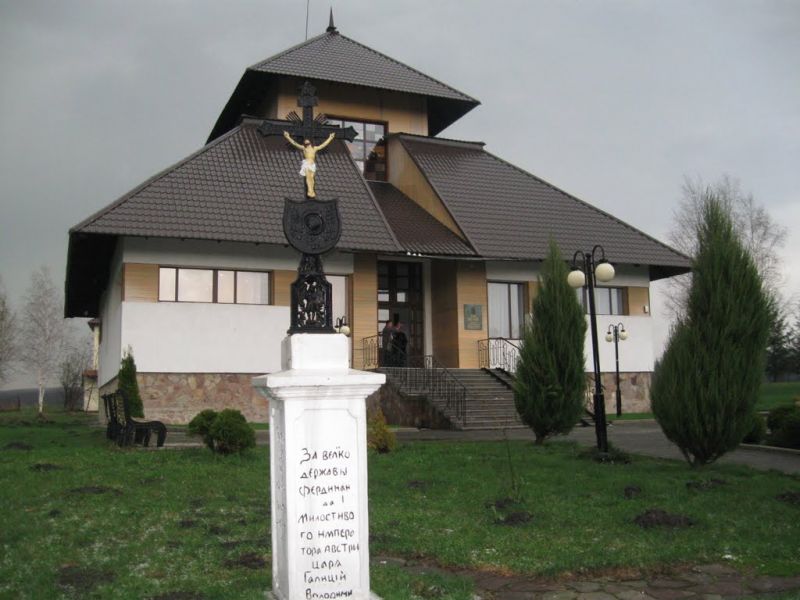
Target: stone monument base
x,y
318,470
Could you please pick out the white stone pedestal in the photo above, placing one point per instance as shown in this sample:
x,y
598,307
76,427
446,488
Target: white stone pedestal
x,y
318,470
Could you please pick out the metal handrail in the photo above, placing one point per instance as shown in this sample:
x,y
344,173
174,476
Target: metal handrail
x,y
371,351
498,353
426,375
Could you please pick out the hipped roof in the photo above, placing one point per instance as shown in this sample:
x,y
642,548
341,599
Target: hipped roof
x,y
505,212
337,58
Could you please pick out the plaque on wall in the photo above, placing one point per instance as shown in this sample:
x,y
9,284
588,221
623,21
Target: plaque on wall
x,y
473,316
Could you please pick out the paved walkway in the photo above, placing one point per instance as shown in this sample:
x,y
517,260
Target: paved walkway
x,y
637,437
705,582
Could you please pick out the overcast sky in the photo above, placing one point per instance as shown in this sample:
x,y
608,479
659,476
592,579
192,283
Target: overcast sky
x,y
613,101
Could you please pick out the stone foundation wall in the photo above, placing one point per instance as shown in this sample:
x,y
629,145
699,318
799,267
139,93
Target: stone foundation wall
x,y
178,397
406,411
635,387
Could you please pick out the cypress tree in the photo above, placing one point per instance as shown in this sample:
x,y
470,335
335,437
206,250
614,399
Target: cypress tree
x,y
550,378
706,385
126,382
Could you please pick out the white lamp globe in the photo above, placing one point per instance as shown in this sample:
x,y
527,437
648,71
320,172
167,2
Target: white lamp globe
x,y
576,279
609,337
344,330
604,272
623,335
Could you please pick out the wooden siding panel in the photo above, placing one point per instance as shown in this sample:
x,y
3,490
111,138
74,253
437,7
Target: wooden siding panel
x,y
406,113
471,289
364,310
444,312
140,282
281,287
638,299
406,177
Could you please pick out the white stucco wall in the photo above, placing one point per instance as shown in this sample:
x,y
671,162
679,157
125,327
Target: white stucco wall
x,y
637,352
111,324
197,337
184,337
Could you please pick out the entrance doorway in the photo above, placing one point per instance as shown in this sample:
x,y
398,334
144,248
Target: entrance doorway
x,y
400,294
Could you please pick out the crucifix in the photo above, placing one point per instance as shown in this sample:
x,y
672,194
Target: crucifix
x,y
311,226
307,130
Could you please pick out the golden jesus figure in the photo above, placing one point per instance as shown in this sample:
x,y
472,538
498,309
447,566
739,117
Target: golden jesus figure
x,y
309,167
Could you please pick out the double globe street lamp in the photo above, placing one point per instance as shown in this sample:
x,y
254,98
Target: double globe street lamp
x,y
614,334
587,269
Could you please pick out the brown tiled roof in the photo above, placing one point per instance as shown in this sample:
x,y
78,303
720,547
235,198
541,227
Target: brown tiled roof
x,y
506,212
335,57
234,188
416,230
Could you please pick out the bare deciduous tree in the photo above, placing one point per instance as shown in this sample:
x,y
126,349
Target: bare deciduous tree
x,y
76,357
760,235
8,335
42,330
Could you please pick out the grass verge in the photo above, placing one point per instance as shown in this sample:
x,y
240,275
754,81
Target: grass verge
x,y
84,519
777,394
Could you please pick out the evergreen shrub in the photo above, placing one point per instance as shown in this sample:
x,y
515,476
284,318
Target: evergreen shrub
x,y
224,432
126,383
778,416
757,431
787,435
231,432
550,380
705,387
379,437
201,425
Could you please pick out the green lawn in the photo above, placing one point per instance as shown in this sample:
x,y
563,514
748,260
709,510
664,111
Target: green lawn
x,y
778,394
84,519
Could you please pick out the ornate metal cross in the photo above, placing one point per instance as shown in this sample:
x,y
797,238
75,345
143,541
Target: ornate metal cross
x,y
311,226
309,127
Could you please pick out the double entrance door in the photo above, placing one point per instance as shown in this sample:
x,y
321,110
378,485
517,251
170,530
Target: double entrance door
x,y
400,297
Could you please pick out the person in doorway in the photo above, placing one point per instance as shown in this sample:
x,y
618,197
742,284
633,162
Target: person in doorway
x,y
400,346
386,344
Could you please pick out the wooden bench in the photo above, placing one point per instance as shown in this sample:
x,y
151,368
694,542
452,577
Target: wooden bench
x,y
127,430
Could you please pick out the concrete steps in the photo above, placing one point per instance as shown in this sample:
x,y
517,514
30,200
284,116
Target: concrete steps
x,y
489,404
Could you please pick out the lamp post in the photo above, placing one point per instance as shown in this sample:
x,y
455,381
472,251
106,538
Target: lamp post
x,y
614,334
587,269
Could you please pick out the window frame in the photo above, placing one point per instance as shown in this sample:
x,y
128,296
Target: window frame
x,y
521,285
623,300
360,140
215,285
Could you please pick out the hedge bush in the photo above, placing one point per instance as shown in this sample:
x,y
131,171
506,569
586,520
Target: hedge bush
x,y
777,416
379,437
224,432
201,425
788,434
231,433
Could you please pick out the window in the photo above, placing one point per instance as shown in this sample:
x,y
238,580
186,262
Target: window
x,y
607,300
505,310
212,285
369,147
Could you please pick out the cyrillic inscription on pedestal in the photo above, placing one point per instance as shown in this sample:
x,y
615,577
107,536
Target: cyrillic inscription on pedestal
x,y
326,496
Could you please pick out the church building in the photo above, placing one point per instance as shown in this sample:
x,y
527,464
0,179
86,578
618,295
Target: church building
x,y
191,269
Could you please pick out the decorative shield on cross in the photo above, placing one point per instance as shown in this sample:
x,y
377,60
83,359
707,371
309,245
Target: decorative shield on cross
x,y
311,226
